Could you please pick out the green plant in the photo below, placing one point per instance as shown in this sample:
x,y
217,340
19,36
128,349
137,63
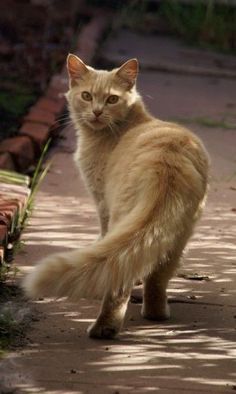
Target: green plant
x,y
7,329
13,105
18,247
208,122
13,321
38,177
4,270
12,324
131,14
206,23
13,178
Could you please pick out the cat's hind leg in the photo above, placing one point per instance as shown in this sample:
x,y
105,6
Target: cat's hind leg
x,y
111,316
155,304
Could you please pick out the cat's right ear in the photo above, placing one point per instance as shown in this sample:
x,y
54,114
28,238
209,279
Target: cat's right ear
x,y
128,72
76,69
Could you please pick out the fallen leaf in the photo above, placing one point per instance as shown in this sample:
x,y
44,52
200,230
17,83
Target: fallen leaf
x,y
194,276
192,297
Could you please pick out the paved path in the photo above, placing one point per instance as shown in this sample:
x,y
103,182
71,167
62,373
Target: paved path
x,y
192,353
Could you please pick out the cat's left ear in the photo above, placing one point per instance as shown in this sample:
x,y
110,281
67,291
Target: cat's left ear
x,y
76,68
128,72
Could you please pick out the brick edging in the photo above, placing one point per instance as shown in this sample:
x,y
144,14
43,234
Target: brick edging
x,y
40,124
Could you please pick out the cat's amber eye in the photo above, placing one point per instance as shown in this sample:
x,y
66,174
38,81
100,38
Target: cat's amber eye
x,y
113,99
86,96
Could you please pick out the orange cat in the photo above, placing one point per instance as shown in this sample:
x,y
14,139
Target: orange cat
x,y
148,179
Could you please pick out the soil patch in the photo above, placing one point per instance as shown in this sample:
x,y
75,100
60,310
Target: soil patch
x,y
15,317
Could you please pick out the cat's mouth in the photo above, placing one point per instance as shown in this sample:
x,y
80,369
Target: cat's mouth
x,y
97,122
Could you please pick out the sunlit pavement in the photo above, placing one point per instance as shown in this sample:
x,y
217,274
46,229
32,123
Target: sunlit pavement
x,y
195,351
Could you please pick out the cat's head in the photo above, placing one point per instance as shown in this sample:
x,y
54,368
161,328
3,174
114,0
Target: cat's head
x,y
99,99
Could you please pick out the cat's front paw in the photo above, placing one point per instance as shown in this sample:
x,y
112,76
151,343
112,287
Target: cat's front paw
x,y
102,331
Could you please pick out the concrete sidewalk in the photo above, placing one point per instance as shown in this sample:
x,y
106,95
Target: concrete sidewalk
x,y
195,351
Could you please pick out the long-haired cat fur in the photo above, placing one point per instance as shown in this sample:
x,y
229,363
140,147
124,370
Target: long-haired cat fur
x,y
148,179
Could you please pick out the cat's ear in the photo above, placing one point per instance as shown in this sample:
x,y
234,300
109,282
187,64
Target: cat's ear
x,y
128,72
76,69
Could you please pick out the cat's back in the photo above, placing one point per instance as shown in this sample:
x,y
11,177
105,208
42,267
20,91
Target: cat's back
x,y
151,149
156,152
157,140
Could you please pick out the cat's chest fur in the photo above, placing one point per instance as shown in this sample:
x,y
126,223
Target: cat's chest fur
x,y
92,156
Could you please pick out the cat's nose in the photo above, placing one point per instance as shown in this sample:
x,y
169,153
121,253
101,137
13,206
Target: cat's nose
x,y
97,112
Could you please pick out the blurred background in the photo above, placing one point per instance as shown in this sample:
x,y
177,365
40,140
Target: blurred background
x,y
36,35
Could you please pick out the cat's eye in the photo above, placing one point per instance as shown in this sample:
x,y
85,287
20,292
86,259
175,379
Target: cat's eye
x,y
86,96
113,99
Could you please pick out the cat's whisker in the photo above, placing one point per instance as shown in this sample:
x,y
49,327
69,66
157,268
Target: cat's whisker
x,y
81,117
112,129
68,123
62,123
65,114
61,119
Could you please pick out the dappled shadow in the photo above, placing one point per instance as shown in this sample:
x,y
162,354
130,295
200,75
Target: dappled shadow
x,y
211,252
61,220
58,223
194,352
180,355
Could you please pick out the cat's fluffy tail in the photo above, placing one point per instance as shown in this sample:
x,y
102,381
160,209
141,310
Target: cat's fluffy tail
x,y
126,254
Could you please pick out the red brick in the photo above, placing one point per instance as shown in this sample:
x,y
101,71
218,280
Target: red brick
x,y
17,197
21,150
50,105
3,234
10,189
12,202
39,133
60,83
55,127
55,94
20,201
40,116
8,205
6,161
5,221
9,211
89,36
2,254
